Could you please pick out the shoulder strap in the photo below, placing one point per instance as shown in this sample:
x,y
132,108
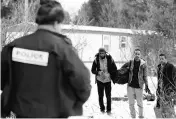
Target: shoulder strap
x,y
96,59
130,64
109,57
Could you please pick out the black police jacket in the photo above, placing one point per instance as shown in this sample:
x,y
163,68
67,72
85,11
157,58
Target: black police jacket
x,y
58,89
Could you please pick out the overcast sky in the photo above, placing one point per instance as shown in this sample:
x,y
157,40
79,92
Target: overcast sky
x,y
72,6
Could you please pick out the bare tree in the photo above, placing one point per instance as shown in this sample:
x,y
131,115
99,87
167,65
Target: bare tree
x,y
80,44
16,26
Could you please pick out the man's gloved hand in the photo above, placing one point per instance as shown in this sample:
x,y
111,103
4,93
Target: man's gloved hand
x,y
147,90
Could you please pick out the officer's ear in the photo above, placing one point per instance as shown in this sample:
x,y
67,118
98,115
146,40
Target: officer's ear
x,y
57,26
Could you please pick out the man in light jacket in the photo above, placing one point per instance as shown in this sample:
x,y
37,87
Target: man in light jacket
x,y
137,79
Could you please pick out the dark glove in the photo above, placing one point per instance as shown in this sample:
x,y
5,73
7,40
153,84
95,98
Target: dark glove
x,y
147,90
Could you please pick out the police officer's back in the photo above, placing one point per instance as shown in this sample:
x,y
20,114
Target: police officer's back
x,y
48,78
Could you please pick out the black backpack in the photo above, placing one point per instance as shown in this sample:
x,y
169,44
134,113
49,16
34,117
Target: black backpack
x,y
122,75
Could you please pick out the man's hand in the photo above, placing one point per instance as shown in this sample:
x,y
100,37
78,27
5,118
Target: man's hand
x,y
95,81
147,90
100,72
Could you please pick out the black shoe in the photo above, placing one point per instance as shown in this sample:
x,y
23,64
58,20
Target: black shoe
x,y
108,112
102,111
141,117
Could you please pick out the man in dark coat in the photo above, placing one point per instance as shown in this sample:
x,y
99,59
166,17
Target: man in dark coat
x,y
46,77
104,67
166,90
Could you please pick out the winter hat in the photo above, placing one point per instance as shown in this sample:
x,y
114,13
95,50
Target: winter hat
x,y
102,50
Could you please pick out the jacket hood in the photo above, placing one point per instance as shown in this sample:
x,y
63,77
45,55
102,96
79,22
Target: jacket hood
x,y
107,54
141,60
65,38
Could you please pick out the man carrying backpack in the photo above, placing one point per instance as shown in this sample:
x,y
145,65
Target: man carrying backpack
x,y
104,67
137,77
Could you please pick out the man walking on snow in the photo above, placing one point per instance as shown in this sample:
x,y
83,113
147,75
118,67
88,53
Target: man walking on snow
x,y
103,67
137,77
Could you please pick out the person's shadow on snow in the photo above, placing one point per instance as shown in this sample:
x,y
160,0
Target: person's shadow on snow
x,y
119,98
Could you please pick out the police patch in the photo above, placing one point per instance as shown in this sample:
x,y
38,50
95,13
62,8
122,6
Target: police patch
x,y
30,56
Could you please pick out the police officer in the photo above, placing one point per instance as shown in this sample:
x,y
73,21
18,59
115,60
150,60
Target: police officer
x,y
41,73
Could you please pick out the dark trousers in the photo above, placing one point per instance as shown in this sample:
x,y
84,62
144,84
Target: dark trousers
x,y
107,87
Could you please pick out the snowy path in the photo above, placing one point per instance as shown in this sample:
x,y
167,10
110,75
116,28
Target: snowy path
x,y
120,109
